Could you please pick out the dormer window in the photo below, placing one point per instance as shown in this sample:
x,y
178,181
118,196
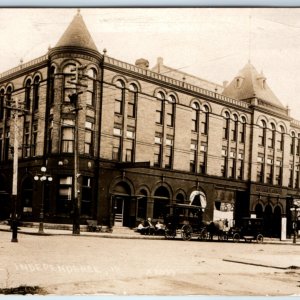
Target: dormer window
x,y
238,82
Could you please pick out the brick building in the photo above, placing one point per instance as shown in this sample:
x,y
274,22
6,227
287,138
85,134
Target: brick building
x,y
146,138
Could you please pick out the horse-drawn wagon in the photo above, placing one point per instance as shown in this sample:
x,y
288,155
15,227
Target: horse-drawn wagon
x,y
187,219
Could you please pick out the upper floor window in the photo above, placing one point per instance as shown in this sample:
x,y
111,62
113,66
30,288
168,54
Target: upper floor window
x,y
67,136
8,99
226,125
234,129
28,94
195,116
133,94
159,107
88,139
298,145
281,138
119,100
1,104
36,93
90,91
272,135
51,85
243,130
204,120
69,81
262,133
293,140
170,108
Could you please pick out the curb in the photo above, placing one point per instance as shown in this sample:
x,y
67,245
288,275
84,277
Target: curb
x,y
137,237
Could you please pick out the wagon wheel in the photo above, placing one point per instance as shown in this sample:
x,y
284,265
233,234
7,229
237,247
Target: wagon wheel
x,y
203,234
260,238
170,233
186,232
236,237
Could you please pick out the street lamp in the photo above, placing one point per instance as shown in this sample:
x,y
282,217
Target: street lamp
x,y
42,177
294,212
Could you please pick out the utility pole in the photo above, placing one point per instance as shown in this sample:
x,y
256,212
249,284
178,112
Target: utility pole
x,y
14,196
74,98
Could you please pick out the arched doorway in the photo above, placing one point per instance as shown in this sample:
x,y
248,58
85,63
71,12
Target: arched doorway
x,y
123,206
26,197
268,218
161,200
259,210
277,221
5,207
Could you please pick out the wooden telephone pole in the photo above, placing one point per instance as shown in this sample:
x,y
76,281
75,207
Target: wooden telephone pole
x,y
14,106
74,98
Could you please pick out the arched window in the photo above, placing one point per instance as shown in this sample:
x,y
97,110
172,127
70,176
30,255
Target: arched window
x,y
69,81
226,125
159,107
119,100
1,104
280,138
234,129
8,99
243,130
204,120
292,145
27,94
36,93
271,138
51,85
132,101
90,95
170,108
262,133
195,116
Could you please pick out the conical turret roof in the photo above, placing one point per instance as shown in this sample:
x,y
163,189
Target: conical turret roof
x,y
248,84
77,35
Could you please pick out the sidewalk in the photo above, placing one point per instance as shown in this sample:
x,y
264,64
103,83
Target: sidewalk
x,y
127,234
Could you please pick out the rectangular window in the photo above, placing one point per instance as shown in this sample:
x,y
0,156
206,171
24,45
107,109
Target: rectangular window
x,y
224,152
88,140
130,132
87,196
68,135
240,169
1,143
34,139
128,155
6,145
224,167
168,161
226,123
231,168
269,173
204,123
26,146
193,161
260,172
117,131
242,133
297,177
158,138
169,140
159,112
193,145
132,104
157,156
63,204
119,101
202,162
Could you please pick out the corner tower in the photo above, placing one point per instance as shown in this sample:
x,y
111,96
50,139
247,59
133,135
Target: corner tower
x,y
248,84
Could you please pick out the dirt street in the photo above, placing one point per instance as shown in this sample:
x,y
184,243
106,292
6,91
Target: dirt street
x,y
70,265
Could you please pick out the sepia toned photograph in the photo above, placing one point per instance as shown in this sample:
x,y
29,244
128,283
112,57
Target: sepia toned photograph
x,y
150,151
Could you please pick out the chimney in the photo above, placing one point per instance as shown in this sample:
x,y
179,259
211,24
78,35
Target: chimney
x,y
142,63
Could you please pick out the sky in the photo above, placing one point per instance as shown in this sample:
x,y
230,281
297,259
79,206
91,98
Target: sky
x,y
210,43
